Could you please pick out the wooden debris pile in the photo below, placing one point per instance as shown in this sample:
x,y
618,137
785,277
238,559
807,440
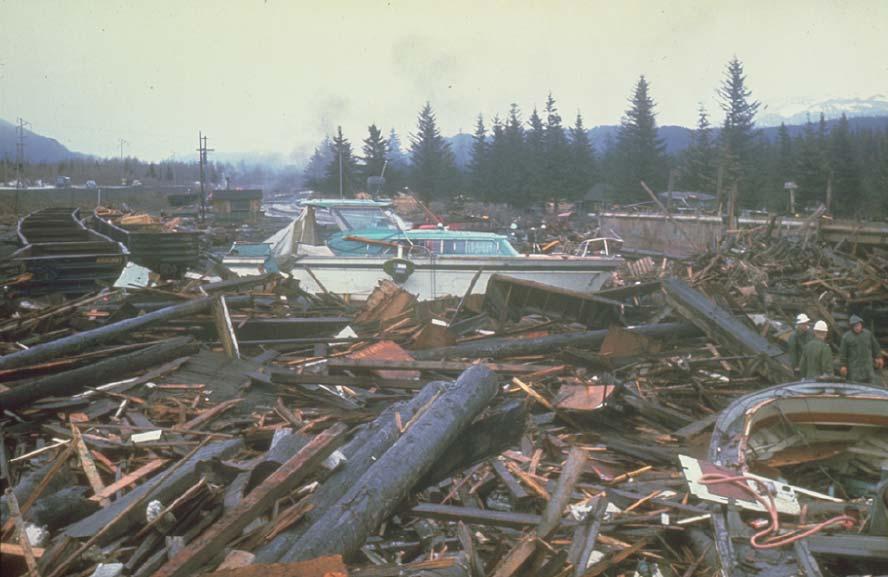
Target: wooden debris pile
x,y
245,428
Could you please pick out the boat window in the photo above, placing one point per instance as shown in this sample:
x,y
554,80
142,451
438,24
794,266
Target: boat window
x,y
432,245
454,247
363,219
481,247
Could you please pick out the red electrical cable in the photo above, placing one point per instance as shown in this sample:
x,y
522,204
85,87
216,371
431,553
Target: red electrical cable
x,y
775,540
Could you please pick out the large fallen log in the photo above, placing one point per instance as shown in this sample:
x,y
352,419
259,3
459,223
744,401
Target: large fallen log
x,y
104,371
506,347
721,326
79,341
187,561
345,526
365,448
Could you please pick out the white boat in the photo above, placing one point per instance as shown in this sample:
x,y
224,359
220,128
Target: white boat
x,y
371,243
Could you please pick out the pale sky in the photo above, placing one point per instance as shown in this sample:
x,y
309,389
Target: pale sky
x,y
277,75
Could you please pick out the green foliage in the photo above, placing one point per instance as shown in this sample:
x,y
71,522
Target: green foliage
x,y
479,165
699,162
640,154
738,131
434,173
583,173
374,150
342,175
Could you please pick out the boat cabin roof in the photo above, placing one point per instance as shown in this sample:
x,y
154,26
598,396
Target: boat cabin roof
x,y
346,203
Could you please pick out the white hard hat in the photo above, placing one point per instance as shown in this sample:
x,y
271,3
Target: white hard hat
x,y
802,319
820,326
514,226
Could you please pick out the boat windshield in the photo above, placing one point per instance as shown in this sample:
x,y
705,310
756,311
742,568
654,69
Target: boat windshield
x,y
467,247
354,218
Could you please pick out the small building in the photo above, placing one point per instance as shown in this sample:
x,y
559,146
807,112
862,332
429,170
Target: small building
x,y
237,205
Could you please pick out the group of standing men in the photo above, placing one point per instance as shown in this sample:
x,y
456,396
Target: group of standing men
x,y
811,356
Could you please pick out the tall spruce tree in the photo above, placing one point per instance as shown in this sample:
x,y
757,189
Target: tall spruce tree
x,y
583,170
700,160
556,154
812,167
374,150
315,171
497,162
479,165
398,163
738,130
846,178
535,153
513,156
640,153
434,173
342,175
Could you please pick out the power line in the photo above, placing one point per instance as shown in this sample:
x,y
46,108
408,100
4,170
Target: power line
x,y
203,150
20,153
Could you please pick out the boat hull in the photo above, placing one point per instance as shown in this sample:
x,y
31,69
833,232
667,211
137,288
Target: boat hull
x,y
437,277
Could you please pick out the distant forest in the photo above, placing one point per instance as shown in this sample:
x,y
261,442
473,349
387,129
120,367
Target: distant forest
x,y
539,158
529,161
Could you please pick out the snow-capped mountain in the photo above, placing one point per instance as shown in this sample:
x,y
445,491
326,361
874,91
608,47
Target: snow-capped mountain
x,y
798,111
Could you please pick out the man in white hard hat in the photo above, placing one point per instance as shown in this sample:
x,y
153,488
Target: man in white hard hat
x,y
800,337
817,358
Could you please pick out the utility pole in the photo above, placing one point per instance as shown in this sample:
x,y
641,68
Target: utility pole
x,y
19,161
20,154
340,163
122,171
203,150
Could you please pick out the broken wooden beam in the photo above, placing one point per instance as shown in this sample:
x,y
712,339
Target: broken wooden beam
x,y
79,341
508,347
722,327
475,516
345,526
104,371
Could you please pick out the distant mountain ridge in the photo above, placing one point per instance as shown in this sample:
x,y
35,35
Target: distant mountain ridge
x,y
43,149
38,148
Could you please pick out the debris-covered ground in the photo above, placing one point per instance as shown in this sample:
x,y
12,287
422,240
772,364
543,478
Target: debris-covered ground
x,y
244,427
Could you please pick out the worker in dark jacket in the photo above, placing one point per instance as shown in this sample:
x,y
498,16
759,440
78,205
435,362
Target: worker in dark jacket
x,y
817,359
800,337
859,354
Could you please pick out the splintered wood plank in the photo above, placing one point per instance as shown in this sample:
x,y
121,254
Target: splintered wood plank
x,y
285,479
89,466
129,479
321,567
207,415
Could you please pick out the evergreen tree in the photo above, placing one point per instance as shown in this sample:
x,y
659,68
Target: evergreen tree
x,y
700,160
342,175
812,168
640,154
846,179
535,153
512,184
479,165
374,150
316,169
556,154
396,171
738,131
434,173
583,172
497,164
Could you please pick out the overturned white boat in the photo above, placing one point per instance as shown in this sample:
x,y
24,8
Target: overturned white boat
x,y
368,242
